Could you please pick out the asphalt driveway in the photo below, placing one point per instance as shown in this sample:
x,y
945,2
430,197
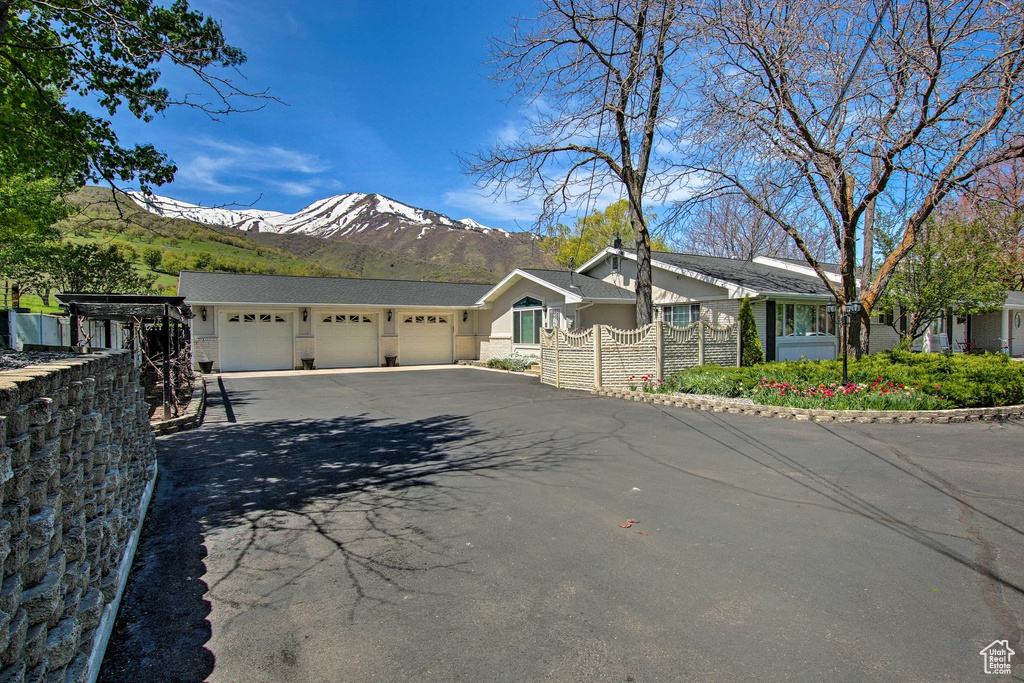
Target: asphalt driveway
x,y
465,525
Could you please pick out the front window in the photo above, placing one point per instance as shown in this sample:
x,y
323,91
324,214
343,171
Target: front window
x,y
527,317
681,316
803,320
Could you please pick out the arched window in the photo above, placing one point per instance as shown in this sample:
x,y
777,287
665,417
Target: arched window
x,y
527,316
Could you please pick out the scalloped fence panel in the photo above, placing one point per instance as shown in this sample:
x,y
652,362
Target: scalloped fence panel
x,y
608,358
77,463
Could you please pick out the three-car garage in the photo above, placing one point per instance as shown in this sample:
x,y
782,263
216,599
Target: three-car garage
x,y
268,322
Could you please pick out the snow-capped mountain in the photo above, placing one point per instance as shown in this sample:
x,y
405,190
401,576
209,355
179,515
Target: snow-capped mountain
x,y
341,216
336,225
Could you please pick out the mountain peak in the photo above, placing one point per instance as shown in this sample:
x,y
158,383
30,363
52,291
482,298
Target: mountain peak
x,y
332,217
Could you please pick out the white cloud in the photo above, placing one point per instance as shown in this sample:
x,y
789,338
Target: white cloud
x,y
203,171
481,206
261,157
232,167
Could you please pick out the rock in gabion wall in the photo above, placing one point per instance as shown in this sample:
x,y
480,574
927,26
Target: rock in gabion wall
x,y
76,456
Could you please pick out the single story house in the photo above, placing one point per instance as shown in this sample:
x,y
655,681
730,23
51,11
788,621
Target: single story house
x,y
266,322
788,301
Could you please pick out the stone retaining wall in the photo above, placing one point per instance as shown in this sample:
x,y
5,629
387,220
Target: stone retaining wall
x,y
956,415
77,458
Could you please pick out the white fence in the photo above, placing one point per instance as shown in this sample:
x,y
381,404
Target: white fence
x,y
55,330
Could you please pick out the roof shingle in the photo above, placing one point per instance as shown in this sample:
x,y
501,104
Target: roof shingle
x,y
586,286
235,288
747,274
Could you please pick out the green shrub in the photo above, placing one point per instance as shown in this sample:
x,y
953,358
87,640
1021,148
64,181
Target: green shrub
x,y
750,345
708,379
512,362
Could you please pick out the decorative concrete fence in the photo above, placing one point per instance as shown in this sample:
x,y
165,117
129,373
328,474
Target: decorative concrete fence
x,y
77,463
604,357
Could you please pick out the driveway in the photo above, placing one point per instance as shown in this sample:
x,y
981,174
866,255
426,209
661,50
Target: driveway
x,y
466,525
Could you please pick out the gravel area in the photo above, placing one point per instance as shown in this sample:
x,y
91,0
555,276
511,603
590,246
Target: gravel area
x,y
14,360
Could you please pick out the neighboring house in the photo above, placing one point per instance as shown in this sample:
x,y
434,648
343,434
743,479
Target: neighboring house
x,y
272,322
1001,330
788,300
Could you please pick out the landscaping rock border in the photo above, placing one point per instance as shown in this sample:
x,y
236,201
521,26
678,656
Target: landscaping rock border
x,y
193,416
957,415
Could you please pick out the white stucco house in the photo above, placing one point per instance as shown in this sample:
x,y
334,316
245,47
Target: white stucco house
x,y
266,322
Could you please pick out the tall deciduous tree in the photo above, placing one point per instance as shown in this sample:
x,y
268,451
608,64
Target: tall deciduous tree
x,y
590,234
729,226
28,211
91,268
952,269
111,52
837,108
599,76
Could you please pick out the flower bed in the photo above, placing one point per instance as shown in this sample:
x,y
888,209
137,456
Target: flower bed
x,y
885,381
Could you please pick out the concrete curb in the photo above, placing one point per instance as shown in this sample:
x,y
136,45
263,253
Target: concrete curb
x,y
957,415
109,618
192,418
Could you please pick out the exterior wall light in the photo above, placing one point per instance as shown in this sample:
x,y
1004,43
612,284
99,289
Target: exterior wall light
x,y
465,316
305,314
202,313
390,313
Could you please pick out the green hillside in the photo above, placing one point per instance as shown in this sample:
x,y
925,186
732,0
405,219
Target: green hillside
x,y
184,245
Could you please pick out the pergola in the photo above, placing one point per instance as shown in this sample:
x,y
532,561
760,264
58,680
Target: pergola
x,y
131,309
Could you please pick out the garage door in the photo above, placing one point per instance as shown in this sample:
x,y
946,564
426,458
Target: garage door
x,y
256,341
425,339
346,341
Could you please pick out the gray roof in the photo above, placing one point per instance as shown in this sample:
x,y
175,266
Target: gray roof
x,y
234,288
1014,298
586,286
747,274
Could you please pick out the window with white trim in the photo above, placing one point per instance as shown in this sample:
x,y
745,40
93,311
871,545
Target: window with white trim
x,y
527,318
682,315
803,320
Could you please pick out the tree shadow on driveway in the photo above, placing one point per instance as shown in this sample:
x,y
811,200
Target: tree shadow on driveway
x,y
275,501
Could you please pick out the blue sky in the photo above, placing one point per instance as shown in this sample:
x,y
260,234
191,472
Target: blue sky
x,y
379,96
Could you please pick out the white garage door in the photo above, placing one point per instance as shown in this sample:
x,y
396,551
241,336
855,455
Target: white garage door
x,y
346,340
256,341
425,339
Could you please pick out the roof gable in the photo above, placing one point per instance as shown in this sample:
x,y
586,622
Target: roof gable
x,y
575,287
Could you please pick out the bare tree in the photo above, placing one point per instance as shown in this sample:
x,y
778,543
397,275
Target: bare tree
x,y
598,74
729,226
835,108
